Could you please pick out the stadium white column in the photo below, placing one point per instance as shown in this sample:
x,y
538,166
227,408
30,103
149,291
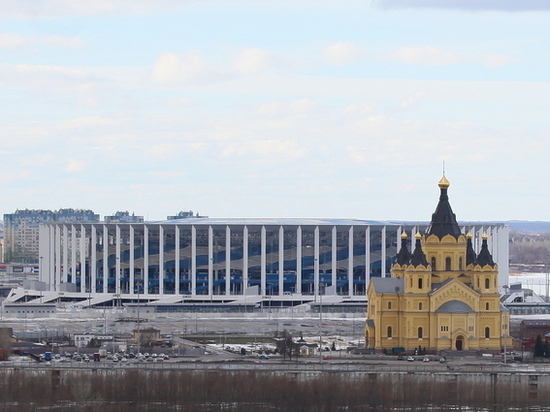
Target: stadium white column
x,y
263,273
56,259
132,266
193,261
399,231
161,260
177,259
146,259
245,259
299,260
316,277
73,254
117,259
383,252
93,268
44,252
210,260
281,260
64,254
105,258
503,254
334,249
83,283
350,262
227,260
367,257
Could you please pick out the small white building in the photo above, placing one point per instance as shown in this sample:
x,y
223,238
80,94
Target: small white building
x,y
82,340
29,310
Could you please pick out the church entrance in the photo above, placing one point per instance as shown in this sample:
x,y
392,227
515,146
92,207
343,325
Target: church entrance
x,y
459,342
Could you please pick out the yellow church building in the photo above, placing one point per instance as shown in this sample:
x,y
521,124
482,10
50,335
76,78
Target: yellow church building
x,y
442,296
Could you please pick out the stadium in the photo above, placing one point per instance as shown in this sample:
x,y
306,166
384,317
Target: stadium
x,y
184,264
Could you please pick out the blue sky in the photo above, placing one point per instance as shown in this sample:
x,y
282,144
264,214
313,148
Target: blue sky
x,y
297,108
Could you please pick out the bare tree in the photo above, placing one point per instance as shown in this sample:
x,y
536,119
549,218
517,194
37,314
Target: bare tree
x,y
286,345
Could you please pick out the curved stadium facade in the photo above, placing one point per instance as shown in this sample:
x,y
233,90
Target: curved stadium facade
x,y
239,262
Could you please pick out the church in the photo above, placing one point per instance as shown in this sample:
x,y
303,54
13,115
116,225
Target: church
x,y
441,296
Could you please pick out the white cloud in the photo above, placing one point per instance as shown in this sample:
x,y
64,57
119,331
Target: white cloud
x,y
15,41
28,74
284,109
495,60
70,85
164,150
266,151
42,9
342,53
193,68
412,101
75,166
197,146
364,108
473,5
251,60
427,56
184,68
358,154
433,56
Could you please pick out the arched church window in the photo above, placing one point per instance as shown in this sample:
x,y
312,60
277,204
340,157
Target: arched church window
x,y
487,306
433,263
389,305
420,283
487,332
460,263
448,263
390,332
420,306
420,333
487,283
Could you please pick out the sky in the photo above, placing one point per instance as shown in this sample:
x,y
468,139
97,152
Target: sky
x,y
256,108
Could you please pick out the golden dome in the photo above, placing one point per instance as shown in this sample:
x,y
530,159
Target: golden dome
x,y
418,235
484,236
404,235
469,235
443,183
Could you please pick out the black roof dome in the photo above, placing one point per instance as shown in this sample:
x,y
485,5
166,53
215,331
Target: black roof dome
x,y
484,257
443,219
470,254
404,256
418,257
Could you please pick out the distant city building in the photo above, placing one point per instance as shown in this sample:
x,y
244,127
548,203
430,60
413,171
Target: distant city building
x,y
123,217
185,215
21,230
